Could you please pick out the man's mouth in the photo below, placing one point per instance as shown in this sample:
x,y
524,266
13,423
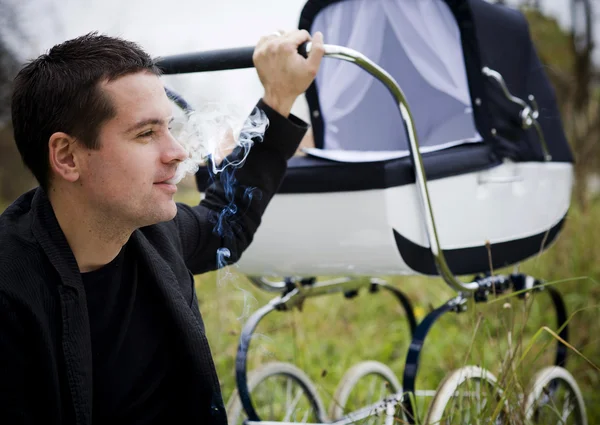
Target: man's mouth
x,y
176,177
167,184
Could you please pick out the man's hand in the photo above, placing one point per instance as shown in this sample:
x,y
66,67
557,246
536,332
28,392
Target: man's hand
x,y
283,72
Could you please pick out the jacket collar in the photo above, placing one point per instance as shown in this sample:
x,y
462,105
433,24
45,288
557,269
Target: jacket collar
x,y
51,238
75,329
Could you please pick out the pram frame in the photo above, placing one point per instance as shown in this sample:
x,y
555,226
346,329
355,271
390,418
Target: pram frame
x,y
295,291
376,71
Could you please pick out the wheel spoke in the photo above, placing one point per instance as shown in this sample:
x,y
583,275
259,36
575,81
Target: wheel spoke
x,y
372,388
292,407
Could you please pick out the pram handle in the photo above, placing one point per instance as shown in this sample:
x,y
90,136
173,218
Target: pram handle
x,y
213,60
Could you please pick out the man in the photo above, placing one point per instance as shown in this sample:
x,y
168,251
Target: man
x,y
99,321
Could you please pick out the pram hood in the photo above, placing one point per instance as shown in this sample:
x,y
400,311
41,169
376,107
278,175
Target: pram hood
x,y
436,50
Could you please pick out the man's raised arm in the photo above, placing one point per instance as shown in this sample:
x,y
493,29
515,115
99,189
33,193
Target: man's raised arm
x,y
221,227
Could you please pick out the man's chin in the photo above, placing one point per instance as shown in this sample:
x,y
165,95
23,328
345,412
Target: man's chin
x,y
166,213
169,212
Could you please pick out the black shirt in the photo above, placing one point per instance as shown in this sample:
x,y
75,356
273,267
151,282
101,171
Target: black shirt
x,y
133,369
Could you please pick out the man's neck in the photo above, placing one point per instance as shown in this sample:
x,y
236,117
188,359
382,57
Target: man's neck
x,y
94,238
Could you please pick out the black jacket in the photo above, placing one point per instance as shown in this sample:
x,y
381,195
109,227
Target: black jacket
x,y
45,349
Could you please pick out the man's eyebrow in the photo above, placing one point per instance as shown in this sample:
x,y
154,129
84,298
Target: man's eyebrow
x,y
150,121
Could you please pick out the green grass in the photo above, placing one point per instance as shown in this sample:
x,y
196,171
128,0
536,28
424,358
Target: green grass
x,y
332,333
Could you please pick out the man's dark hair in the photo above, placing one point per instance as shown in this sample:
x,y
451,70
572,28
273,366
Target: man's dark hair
x,y
61,91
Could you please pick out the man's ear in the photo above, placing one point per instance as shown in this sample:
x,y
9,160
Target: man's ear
x,y
63,161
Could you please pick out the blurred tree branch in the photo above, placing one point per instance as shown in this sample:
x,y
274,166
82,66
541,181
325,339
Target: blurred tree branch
x,y
14,177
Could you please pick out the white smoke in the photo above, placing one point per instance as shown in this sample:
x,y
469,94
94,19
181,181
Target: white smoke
x,y
214,131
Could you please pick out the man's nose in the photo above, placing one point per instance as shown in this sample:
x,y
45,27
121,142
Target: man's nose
x,y
174,151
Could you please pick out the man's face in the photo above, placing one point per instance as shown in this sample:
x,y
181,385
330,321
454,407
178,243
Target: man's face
x,y
124,179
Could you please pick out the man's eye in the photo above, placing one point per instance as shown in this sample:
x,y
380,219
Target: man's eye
x,y
148,133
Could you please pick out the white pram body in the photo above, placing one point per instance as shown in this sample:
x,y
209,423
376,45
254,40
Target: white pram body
x,y
518,208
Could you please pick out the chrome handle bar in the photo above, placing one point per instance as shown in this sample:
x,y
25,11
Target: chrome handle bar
x,y
365,63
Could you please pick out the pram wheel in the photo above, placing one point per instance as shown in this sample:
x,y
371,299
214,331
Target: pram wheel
x,y
466,396
280,392
555,397
364,384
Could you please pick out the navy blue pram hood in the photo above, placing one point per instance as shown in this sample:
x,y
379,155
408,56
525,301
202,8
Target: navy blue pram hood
x,y
497,37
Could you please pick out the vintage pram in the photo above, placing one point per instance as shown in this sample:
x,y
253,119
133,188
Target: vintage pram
x,y
438,151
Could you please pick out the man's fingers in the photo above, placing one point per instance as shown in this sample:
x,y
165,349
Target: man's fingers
x,y
298,37
295,38
317,51
274,35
